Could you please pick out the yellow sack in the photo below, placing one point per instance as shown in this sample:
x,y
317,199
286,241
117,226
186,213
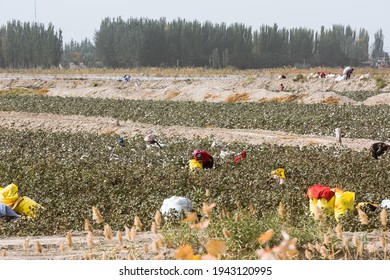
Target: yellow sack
x,y
9,195
27,206
344,201
325,205
278,172
194,164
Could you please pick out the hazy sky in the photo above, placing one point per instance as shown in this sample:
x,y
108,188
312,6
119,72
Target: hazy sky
x,y
78,19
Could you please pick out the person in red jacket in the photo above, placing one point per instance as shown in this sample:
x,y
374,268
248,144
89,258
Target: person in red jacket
x,y
240,157
206,159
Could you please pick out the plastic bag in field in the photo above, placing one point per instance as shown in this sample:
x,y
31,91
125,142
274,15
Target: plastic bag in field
x,y
326,206
27,206
344,202
194,164
7,213
385,203
9,195
176,204
278,174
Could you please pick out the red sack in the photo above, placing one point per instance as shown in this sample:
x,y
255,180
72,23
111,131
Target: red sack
x,y
318,191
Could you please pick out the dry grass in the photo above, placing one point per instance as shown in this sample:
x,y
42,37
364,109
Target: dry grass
x,y
331,100
210,96
171,95
286,98
42,91
237,97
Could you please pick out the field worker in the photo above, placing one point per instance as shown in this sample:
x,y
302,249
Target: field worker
x,y
206,159
121,142
127,78
378,149
281,87
240,157
151,140
348,72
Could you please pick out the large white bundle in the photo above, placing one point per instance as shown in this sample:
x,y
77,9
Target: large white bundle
x,y
341,78
385,203
346,69
365,77
176,203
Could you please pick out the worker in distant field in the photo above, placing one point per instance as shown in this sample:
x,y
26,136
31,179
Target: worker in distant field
x,y
127,78
151,140
240,157
121,142
378,149
281,87
206,159
348,72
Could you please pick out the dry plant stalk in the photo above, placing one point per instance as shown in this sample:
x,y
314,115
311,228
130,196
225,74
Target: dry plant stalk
x,y
26,243
107,232
326,239
146,249
372,249
383,217
157,218
356,240
318,215
363,217
154,228
282,210
88,226
62,247
137,223
133,233
69,241
90,239
87,256
119,237
156,246
339,231
96,215
226,233
266,236
127,233
3,253
308,255
38,247
206,210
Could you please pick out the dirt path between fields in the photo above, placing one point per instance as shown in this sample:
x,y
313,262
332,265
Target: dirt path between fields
x,y
101,125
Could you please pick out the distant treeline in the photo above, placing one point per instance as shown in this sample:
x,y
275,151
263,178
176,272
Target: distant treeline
x,y
29,45
146,42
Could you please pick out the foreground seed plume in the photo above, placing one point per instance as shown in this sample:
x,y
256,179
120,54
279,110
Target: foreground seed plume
x,y
107,232
69,241
137,223
282,210
383,217
96,215
26,243
90,239
157,218
119,237
38,247
363,217
88,226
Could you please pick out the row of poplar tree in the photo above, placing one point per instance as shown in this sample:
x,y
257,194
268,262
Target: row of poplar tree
x,y
142,42
29,45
